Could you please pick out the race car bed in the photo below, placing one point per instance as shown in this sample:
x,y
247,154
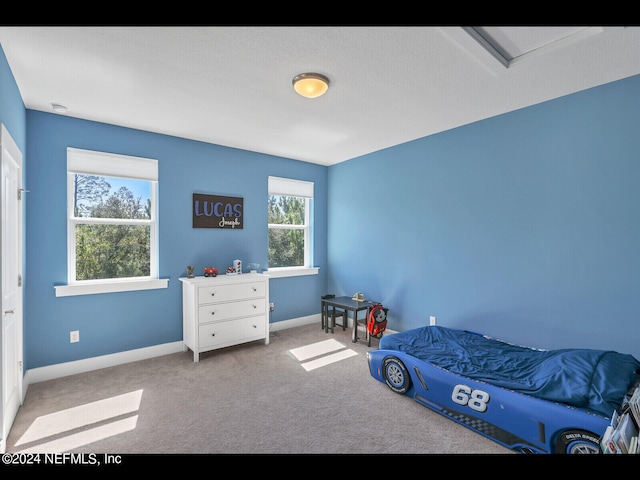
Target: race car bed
x,y
527,399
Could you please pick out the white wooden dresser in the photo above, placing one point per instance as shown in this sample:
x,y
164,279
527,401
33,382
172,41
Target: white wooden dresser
x,y
225,310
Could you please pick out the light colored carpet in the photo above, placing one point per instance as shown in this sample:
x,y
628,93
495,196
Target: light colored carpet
x,y
246,399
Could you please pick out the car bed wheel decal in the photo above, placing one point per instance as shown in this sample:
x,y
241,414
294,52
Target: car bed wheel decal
x,y
577,442
396,375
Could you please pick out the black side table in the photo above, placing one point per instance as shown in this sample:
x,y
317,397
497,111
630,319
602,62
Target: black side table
x,y
354,306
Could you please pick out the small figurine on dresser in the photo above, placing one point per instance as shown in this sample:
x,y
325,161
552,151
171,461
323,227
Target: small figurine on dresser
x,y
190,272
210,272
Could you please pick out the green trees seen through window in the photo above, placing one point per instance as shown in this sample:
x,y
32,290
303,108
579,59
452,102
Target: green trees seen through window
x,y
286,220
106,248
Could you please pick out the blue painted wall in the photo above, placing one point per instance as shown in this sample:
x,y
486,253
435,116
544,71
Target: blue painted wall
x,y
12,111
110,323
524,226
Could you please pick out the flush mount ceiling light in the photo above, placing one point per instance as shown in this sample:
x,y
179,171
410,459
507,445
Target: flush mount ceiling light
x,y
310,85
58,108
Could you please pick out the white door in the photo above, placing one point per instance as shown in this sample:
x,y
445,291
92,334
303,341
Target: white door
x,y
11,278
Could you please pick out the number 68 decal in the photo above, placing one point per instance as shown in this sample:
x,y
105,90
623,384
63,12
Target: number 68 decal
x,y
474,399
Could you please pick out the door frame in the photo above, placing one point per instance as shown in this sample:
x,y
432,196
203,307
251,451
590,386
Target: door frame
x,y
8,146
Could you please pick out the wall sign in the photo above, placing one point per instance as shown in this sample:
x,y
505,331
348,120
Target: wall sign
x,y
215,211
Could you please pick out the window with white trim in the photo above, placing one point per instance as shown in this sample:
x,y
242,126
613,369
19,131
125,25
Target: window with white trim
x,y
290,218
112,231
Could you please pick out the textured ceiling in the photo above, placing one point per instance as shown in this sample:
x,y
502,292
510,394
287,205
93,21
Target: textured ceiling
x,y
232,85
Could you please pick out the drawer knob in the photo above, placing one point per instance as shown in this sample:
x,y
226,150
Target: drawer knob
x,y
213,294
255,289
213,313
213,334
254,306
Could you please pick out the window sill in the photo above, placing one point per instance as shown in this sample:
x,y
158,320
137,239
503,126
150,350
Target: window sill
x,y
292,272
110,287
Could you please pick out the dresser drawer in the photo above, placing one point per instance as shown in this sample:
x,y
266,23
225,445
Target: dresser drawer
x,y
231,332
223,311
225,293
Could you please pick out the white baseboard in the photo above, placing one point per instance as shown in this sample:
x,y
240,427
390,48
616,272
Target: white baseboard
x,y
59,370
294,322
51,372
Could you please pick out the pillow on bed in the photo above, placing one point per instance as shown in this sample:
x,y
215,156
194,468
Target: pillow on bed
x,y
613,376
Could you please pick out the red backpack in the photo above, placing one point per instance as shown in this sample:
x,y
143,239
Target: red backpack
x,y
377,319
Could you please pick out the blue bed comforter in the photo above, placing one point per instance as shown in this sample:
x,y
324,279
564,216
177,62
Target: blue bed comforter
x,y
593,379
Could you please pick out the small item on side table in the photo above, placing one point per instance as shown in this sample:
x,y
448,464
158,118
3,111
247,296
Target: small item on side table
x,y
359,297
190,272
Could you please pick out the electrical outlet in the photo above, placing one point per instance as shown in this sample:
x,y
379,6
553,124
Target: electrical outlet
x,y
272,307
432,320
74,336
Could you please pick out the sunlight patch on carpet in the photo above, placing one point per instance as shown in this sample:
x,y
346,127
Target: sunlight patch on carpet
x,y
81,416
323,353
86,437
316,349
328,359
